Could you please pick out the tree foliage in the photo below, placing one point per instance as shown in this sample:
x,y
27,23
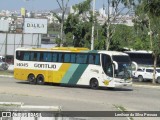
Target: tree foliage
x,y
148,17
80,28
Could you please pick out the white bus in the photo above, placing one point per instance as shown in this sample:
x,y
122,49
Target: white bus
x,y
73,66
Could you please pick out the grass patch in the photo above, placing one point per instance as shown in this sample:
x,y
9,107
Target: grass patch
x,y
5,72
121,108
9,105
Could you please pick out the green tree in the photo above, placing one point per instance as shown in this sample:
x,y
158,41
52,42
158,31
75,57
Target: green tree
x,y
148,15
63,6
123,37
111,17
79,24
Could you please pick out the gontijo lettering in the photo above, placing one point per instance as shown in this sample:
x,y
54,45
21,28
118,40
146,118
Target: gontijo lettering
x,y
53,66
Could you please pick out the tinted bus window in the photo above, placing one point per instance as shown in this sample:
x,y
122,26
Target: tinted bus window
x,y
47,57
97,60
81,58
54,57
39,57
119,58
94,59
19,55
33,56
67,57
73,58
26,56
60,57
107,65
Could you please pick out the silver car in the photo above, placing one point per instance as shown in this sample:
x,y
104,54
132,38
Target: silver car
x,y
3,65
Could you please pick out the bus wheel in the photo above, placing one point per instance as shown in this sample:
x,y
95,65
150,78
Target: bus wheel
x,y
140,78
40,79
31,79
94,83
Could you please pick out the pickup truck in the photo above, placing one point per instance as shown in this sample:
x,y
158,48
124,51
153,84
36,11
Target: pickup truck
x,y
146,74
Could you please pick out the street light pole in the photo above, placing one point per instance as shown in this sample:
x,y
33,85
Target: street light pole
x,y
92,38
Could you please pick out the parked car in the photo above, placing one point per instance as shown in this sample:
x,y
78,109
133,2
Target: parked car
x,y
3,65
146,73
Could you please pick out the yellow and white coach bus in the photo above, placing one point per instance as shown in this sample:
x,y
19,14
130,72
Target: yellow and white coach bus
x,y
73,66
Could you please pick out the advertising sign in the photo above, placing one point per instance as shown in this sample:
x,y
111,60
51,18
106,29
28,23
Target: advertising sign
x,y
32,25
23,12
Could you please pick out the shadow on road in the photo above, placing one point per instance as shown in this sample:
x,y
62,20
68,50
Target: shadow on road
x,y
79,86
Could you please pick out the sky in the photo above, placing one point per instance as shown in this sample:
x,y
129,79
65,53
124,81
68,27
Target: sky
x,y
13,5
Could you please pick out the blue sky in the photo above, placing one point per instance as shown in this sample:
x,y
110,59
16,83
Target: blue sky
x,y
39,4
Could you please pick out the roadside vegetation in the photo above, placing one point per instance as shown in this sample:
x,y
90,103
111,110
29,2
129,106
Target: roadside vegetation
x,y
5,72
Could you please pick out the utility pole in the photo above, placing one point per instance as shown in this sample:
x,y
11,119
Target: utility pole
x,y
92,38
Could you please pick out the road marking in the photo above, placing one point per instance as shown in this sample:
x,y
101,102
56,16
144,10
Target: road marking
x,y
21,104
55,108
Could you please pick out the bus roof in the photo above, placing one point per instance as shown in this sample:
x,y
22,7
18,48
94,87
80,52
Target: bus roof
x,y
54,49
73,49
139,52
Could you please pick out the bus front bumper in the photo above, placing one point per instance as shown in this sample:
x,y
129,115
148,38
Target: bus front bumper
x,y
119,84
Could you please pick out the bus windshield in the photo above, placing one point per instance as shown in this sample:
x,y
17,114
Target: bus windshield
x,y
124,70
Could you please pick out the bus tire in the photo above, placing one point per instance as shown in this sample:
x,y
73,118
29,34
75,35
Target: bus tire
x,y
40,79
140,78
94,83
31,79
158,80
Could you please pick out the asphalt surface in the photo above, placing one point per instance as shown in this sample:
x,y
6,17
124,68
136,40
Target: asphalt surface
x,y
80,98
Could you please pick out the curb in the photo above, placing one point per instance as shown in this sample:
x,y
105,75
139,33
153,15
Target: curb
x,y
55,108
30,107
6,76
146,86
11,103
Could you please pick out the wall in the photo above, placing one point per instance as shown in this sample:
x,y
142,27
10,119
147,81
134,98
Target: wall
x,y
9,42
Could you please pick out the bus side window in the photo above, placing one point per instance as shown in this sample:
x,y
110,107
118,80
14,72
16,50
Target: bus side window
x,y
54,57
33,56
94,59
38,56
91,59
107,65
73,58
81,58
47,57
19,55
60,57
97,60
26,56
67,58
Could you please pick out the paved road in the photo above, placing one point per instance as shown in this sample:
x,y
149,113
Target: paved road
x,y
81,98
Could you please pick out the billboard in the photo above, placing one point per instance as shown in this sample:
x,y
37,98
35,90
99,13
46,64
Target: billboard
x,y
32,25
4,25
23,12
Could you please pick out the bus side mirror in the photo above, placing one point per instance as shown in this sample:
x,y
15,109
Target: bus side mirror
x,y
134,66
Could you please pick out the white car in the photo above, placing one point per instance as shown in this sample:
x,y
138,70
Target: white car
x,y
145,73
